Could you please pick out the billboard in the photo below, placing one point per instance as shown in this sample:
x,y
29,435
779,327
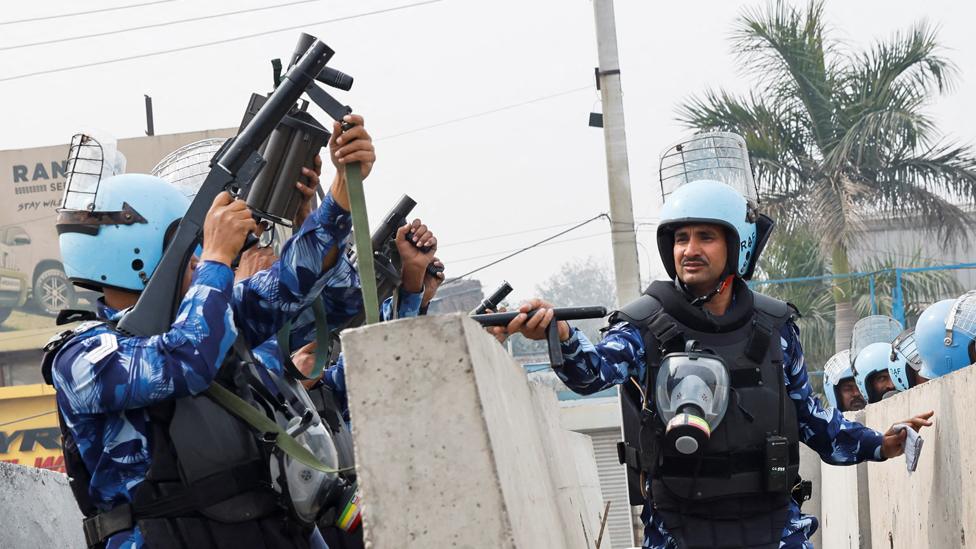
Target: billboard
x,y
29,433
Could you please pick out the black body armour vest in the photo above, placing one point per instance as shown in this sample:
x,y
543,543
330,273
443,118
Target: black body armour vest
x,y
721,498
209,479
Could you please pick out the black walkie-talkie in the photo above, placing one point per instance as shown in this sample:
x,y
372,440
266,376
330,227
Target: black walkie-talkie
x,y
777,463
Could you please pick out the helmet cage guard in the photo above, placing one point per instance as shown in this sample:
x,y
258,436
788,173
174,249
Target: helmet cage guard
x,y
836,369
873,329
89,162
712,156
905,361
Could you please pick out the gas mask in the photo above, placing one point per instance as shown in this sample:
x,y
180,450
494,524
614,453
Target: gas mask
x,y
692,394
311,491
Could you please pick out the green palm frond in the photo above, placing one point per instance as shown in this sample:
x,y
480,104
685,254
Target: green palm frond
x,y
841,139
785,49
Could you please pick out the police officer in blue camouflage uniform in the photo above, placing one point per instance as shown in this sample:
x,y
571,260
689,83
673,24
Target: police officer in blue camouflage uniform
x,y
119,397
706,483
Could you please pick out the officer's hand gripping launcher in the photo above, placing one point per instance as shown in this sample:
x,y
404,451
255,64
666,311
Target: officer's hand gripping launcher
x,y
552,331
293,144
385,254
233,168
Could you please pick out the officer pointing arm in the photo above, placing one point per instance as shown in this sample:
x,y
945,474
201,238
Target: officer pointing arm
x,y
718,450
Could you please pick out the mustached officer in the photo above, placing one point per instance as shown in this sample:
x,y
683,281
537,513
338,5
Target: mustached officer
x,y
840,385
716,394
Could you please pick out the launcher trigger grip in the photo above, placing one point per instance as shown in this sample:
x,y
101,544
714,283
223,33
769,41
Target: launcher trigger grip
x,y
555,346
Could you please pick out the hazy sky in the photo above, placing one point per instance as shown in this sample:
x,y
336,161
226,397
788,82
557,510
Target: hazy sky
x,y
532,169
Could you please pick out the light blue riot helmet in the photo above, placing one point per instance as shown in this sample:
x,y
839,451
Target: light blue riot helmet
x,y
871,361
871,350
904,362
116,239
837,369
707,179
945,336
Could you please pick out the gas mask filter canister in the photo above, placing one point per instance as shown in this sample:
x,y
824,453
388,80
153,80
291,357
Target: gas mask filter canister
x,y
692,395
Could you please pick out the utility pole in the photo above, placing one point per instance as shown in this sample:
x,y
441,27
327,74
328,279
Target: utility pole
x,y
626,266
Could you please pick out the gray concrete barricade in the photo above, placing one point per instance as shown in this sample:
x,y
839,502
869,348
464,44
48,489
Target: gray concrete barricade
x,y
844,522
38,509
578,523
933,507
450,448
810,470
936,505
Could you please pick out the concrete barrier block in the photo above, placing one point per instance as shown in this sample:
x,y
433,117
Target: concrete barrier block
x,y
845,520
936,505
580,527
38,509
588,476
810,470
449,451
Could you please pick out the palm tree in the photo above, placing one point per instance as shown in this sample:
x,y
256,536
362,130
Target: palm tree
x,y
838,137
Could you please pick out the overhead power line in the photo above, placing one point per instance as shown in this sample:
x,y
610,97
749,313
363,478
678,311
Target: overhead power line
x,y
100,10
503,235
213,43
563,241
483,113
154,25
529,247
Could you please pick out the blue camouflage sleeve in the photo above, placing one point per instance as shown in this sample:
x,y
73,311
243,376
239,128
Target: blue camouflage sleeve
x,y
837,440
408,305
108,372
335,376
592,368
265,301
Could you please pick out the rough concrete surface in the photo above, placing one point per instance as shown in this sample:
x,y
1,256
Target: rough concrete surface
x,y
810,470
936,505
933,507
449,450
589,484
38,509
581,527
841,501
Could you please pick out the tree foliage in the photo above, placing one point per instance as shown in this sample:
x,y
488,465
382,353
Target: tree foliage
x,y
838,137
577,283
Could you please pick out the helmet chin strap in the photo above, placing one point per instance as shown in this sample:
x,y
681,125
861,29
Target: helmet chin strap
x,y
701,301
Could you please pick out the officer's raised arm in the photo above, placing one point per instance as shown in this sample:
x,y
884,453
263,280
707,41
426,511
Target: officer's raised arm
x,y
311,264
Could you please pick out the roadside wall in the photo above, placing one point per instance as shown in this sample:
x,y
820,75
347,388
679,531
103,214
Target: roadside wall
x,y
933,507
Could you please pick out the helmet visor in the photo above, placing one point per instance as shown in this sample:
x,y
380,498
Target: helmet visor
x,y
874,329
838,367
962,316
187,167
712,156
905,347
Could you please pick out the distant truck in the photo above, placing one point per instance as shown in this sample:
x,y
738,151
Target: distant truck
x,y
13,284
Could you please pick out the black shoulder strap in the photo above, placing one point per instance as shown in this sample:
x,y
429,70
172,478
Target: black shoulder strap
x,y
770,316
637,312
59,340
